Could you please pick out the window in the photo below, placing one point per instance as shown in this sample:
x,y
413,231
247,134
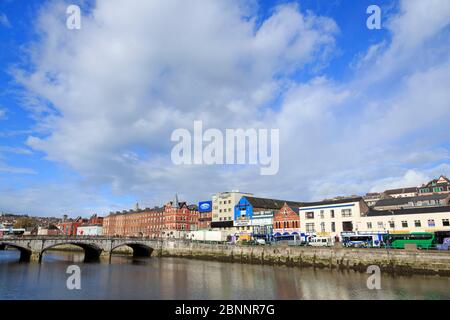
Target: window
x,y
346,213
431,223
310,227
333,227
347,226
310,215
445,223
369,225
380,225
417,223
332,213
322,214
404,224
322,226
391,224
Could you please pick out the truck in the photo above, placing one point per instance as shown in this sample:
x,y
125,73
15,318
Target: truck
x,y
208,235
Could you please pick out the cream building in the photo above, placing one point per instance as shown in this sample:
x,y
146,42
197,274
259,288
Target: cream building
x,y
329,218
223,209
426,219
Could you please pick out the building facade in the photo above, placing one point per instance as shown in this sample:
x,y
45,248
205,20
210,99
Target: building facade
x,y
204,215
254,217
425,219
440,185
401,192
286,222
178,216
139,222
332,217
69,227
90,230
223,210
371,198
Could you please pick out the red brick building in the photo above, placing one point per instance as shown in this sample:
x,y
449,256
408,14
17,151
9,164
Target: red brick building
x,y
69,227
204,220
286,222
153,223
178,216
95,220
137,223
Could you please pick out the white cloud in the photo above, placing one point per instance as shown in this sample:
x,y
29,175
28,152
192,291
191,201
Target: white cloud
x,y
411,178
121,83
120,86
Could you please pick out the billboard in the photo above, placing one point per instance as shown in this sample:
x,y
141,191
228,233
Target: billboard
x,y
205,206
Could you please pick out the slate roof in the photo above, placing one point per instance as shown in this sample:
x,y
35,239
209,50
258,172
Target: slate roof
x,y
396,212
406,200
401,190
265,203
332,201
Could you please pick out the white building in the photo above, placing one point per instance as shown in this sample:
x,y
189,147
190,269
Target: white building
x,y
93,230
331,217
401,192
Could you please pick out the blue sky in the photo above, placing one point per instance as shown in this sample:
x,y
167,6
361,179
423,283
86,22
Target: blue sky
x,y
86,115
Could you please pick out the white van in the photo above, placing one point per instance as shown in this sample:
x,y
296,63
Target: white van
x,y
321,242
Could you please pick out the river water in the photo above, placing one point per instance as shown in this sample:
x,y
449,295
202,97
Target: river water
x,y
176,278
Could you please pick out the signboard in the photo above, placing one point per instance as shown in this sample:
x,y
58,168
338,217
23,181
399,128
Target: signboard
x,y
242,223
205,206
262,221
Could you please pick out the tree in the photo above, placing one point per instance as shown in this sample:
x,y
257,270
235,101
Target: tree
x,y
25,222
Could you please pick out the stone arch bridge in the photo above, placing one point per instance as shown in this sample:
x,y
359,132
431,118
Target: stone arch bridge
x,y
33,248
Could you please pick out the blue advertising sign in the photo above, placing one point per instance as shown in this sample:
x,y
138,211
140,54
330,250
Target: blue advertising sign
x,y
205,206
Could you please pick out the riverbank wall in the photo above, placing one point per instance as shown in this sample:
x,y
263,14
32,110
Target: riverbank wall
x,y
393,261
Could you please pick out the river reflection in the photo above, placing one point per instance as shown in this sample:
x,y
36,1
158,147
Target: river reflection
x,y
175,278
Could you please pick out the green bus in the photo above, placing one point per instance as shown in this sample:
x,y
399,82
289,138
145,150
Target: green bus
x,y
423,240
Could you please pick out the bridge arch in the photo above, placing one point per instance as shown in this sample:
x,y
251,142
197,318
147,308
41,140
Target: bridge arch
x,y
92,252
139,249
25,253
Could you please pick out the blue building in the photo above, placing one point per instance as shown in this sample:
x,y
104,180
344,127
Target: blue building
x,y
253,217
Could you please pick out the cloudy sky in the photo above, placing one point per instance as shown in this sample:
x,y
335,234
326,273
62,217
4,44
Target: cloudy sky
x,y
86,115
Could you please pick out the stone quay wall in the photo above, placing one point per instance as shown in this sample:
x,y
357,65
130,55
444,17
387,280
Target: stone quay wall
x,y
394,261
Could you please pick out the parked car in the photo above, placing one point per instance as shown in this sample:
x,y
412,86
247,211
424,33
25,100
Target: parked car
x,y
260,241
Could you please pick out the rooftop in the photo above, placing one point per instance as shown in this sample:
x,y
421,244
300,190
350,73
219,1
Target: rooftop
x,y
331,201
401,190
396,212
406,200
265,203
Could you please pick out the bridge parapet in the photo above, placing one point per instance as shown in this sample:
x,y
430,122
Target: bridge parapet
x,y
32,248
